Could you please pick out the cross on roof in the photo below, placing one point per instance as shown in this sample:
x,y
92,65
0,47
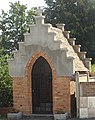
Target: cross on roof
x,y
39,11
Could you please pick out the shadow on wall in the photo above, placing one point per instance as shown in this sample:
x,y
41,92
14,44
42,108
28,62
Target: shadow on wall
x,y
73,106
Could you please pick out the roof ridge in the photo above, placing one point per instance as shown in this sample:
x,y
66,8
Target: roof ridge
x,y
76,48
81,56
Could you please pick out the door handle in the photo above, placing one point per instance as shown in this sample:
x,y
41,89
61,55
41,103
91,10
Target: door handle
x,y
33,91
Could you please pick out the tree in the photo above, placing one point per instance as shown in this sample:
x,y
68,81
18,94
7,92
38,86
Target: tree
x,y
5,81
79,17
13,24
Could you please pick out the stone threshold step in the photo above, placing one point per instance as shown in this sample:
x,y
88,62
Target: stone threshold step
x,y
39,117
43,115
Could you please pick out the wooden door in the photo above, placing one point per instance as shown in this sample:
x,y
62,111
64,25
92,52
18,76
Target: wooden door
x,y
41,87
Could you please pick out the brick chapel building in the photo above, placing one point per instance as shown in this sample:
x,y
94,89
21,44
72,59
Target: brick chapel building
x,y
44,70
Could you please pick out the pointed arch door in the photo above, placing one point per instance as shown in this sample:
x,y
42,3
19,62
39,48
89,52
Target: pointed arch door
x,y
41,87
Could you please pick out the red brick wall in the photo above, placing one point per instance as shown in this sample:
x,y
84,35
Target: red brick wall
x,y
22,94
21,98
62,94
88,89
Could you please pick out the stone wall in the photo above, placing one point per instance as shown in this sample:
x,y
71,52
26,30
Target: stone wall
x,y
87,99
87,107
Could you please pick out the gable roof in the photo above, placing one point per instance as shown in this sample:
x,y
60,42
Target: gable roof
x,y
79,65
56,43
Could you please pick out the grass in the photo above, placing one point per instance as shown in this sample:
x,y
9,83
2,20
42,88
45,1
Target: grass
x,y
93,69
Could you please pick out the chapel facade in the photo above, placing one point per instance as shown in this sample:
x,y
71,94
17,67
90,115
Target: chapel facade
x,y
45,70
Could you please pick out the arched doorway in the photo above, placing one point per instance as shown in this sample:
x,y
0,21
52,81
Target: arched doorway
x,y
41,87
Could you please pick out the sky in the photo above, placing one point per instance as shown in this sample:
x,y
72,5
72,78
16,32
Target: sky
x,y
4,4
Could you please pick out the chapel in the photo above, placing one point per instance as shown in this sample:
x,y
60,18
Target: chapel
x,y
48,71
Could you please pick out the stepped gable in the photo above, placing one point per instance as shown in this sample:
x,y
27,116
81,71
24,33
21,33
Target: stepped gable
x,y
79,65
61,39
56,43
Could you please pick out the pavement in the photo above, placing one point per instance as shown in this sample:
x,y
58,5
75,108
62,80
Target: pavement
x,y
48,118
52,119
81,119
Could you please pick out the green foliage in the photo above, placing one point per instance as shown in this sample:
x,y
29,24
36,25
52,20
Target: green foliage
x,y
79,17
93,68
5,82
13,24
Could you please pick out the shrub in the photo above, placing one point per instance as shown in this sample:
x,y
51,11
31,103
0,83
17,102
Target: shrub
x,y
5,82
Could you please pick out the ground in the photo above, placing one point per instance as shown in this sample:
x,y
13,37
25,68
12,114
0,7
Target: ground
x,y
29,118
49,118
68,119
